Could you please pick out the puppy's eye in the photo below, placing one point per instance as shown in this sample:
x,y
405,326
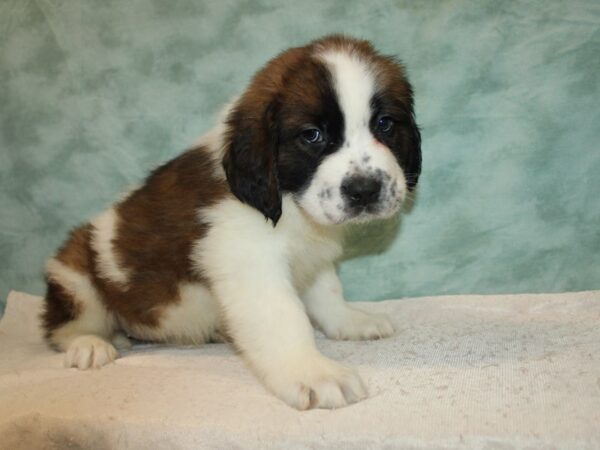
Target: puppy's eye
x,y
385,124
312,136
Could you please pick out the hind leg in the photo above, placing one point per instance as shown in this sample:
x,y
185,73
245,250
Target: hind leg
x,y
76,320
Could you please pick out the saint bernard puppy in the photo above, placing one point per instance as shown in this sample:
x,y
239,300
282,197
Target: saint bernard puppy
x,y
238,237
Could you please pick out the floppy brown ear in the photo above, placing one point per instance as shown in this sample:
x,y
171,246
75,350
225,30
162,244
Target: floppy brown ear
x,y
250,159
396,84
413,167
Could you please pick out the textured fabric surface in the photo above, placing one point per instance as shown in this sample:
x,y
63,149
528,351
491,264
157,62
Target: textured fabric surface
x,y
485,372
94,94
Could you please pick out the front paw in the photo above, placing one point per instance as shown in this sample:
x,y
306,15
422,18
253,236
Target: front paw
x,y
358,325
317,382
89,351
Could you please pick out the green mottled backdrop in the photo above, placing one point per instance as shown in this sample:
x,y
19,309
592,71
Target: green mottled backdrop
x,y
95,93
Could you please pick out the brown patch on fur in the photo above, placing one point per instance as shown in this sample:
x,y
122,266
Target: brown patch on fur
x,y
76,252
392,81
60,307
251,148
158,224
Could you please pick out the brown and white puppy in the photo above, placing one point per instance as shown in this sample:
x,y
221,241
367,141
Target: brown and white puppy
x,y
240,235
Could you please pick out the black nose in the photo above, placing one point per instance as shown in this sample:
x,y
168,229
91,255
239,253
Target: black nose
x,y
361,191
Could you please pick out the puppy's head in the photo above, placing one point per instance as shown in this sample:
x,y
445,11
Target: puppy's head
x,y
331,123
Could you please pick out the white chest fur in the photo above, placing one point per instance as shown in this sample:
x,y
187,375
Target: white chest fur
x,y
240,243
311,247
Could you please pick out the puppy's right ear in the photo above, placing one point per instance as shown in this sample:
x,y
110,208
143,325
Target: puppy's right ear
x,y
250,158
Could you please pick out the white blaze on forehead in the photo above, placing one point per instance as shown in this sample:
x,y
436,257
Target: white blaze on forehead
x,y
354,85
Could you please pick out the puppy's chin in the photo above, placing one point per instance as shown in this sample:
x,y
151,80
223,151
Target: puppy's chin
x,y
337,215
365,216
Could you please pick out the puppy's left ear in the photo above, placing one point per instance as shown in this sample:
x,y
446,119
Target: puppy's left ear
x,y
411,140
250,159
414,159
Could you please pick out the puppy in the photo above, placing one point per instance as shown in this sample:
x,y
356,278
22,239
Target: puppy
x,y
240,235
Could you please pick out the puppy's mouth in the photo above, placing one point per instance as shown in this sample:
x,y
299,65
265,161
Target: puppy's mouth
x,y
380,210
348,211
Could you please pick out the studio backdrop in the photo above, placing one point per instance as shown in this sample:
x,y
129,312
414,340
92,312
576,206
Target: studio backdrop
x,y
95,94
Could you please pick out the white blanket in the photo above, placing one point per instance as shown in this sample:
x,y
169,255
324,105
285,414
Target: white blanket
x,y
490,372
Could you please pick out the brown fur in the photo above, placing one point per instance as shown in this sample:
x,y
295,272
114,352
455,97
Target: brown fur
x,y
158,225
76,252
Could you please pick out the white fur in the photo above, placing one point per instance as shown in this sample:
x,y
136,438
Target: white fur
x,y
191,320
94,321
238,232
361,153
103,235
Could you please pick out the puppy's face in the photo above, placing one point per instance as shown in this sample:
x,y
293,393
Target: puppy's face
x,y
332,123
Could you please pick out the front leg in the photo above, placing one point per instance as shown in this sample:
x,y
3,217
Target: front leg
x,y
268,324
338,320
